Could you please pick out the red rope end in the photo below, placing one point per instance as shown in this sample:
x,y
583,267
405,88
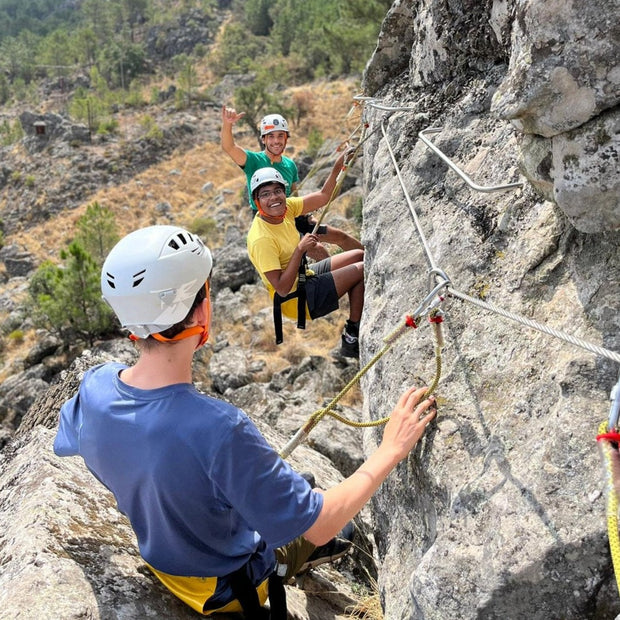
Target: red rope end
x,y
438,318
410,322
612,436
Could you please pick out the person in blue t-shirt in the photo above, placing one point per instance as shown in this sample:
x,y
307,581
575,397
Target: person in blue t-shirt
x,y
274,134
219,517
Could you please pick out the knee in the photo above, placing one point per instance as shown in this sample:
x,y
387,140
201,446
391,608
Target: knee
x,y
359,268
358,256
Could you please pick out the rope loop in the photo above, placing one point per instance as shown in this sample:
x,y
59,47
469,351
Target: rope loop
x,y
411,320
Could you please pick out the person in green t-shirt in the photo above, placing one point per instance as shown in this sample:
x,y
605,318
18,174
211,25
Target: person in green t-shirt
x,y
274,133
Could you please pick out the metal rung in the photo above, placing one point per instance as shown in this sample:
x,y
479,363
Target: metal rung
x,y
375,103
444,157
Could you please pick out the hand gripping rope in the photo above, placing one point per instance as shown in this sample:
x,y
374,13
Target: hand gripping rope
x,y
349,161
430,307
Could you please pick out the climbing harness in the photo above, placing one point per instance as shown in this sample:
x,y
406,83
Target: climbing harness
x,y
300,294
246,594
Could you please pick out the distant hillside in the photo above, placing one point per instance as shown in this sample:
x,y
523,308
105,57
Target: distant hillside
x,y
37,16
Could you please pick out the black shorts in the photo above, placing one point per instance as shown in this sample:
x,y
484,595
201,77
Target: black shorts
x,y
304,225
321,294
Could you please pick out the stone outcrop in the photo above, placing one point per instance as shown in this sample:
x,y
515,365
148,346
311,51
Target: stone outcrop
x,y
559,81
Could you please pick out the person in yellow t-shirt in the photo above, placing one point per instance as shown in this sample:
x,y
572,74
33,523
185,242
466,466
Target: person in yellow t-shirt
x,y
274,135
276,252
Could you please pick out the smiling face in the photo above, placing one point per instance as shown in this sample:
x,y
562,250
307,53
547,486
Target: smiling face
x,y
271,201
275,143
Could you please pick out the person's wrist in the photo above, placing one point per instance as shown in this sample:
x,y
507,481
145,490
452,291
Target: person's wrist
x,y
390,454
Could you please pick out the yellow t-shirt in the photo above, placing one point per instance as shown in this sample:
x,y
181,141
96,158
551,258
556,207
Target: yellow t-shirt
x,y
270,247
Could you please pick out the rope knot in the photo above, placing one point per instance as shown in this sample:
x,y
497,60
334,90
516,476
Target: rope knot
x,y
410,321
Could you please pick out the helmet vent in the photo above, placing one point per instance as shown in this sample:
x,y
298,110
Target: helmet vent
x,y
179,240
110,279
137,278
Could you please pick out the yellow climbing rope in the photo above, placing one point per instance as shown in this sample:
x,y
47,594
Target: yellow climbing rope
x,y
339,181
435,317
612,501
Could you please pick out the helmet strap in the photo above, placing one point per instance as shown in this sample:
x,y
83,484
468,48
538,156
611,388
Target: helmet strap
x,y
266,216
202,330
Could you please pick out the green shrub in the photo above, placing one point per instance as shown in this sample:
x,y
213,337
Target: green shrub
x,y
152,129
204,227
67,299
17,336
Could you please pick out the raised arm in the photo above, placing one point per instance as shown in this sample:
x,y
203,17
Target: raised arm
x,y
319,199
235,152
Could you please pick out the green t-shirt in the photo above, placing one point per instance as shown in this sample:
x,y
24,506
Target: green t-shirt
x,y
258,159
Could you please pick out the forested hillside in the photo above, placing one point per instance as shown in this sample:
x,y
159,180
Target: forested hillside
x,y
127,42
125,69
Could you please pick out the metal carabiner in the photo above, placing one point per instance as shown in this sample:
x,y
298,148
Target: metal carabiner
x,y
438,273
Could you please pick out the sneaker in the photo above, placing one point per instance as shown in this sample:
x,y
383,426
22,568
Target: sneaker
x,y
350,346
331,551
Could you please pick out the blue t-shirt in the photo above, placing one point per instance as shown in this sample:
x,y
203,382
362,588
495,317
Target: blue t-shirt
x,y
201,486
259,159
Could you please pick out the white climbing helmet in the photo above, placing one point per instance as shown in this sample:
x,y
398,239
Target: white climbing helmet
x,y
151,277
273,122
266,175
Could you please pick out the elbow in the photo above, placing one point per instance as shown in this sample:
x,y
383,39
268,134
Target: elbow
x,y
323,529
319,535
317,541
283,292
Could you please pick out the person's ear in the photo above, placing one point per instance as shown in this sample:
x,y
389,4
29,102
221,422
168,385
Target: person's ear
x,y
202,313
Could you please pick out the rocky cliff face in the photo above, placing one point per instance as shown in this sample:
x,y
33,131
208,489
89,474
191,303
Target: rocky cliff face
x,y
500,512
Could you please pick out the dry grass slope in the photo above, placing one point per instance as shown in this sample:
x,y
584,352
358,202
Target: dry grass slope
x,y
179,182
